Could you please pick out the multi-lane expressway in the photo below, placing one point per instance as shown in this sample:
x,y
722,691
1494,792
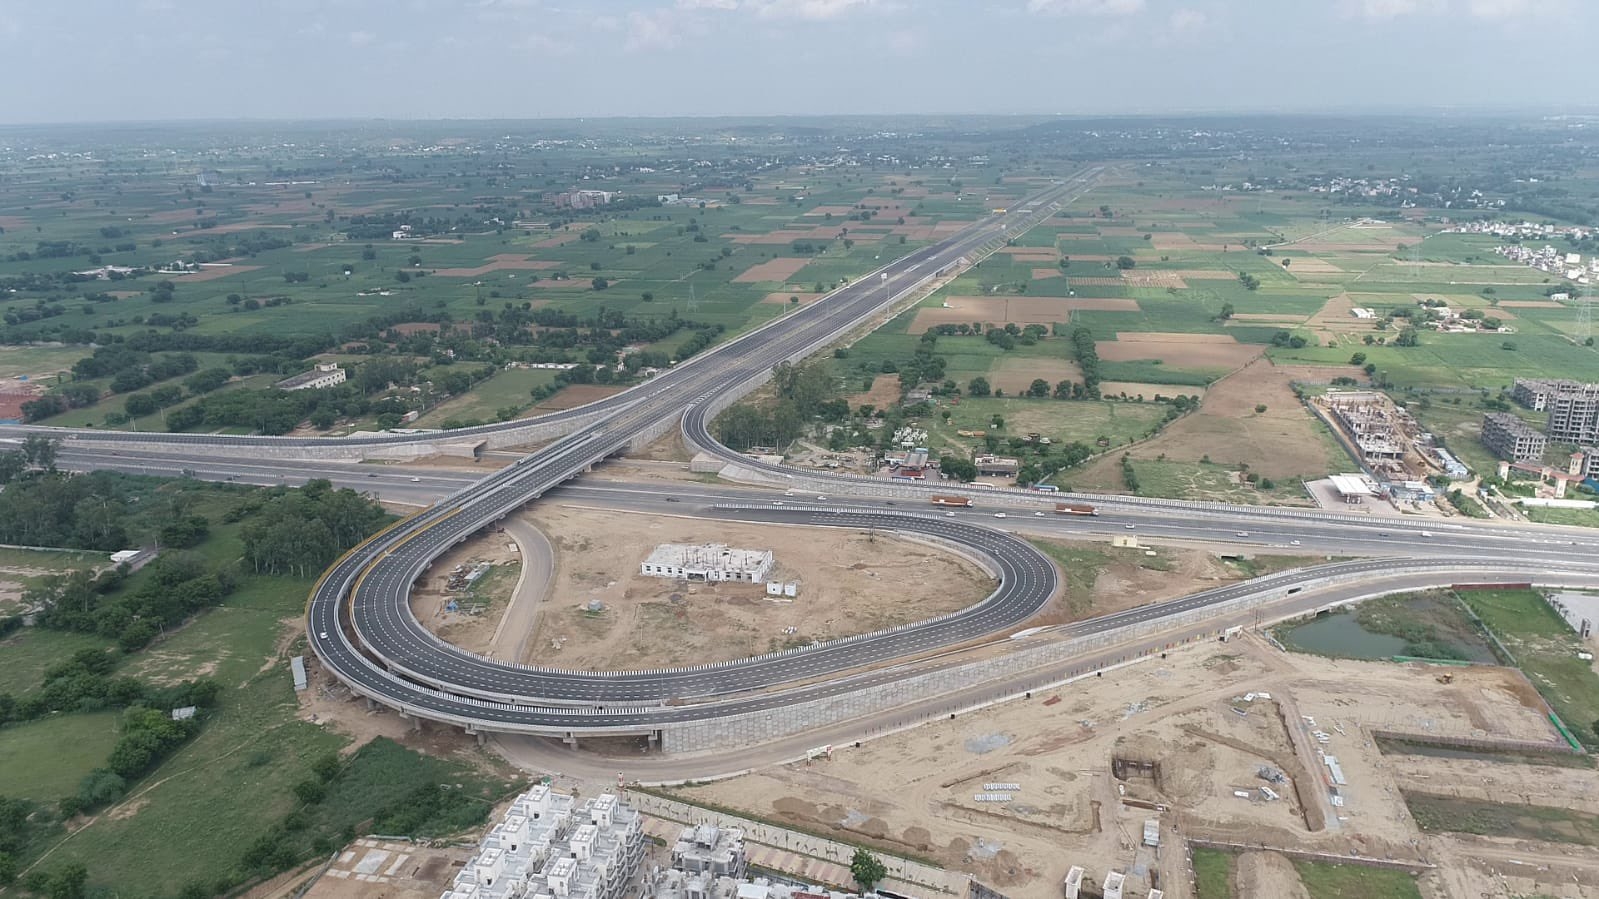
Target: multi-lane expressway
x,y
361,627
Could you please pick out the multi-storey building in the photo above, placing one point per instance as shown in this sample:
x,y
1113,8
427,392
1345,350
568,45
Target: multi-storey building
x,y
550,847
1508,437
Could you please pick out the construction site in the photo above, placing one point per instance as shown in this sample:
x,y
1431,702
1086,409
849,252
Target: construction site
x,y
1386,439
1289,765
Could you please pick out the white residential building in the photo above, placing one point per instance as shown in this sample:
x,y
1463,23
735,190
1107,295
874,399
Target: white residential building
x,y
326,374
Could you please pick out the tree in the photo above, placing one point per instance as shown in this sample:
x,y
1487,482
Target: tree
x,y
1357,359
960,469
1126,262
1038,389
979,386
1260,407
600,283
1225,313
867,869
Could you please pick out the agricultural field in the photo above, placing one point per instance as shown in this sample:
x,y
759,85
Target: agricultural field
x,y
1245,300
240,271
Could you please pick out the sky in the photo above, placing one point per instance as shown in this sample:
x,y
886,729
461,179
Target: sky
x,y
131,60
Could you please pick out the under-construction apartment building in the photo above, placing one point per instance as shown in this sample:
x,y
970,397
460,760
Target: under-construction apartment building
x,y
549,846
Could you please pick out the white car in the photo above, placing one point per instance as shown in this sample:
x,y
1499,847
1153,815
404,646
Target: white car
x,y
949,514
777,502
999,514
821,496
1131,526
416,480
1243,534
1038,515
1293,543
323,635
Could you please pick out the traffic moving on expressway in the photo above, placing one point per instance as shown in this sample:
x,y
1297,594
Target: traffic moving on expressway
x,y
361,626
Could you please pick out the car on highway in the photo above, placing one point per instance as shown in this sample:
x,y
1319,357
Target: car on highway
x,y
777,502
1293,543
821,496
415,480
372,474
1242,534
949,514
323,635
999,514
671,499
1131,526
1038,514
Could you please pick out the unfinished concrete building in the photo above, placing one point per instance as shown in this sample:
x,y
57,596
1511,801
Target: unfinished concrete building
x,y
1380,432
1573,407
1508,437
708,849
710,562
549,846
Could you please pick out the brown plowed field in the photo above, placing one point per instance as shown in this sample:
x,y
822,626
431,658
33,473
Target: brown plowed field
x,y
780,269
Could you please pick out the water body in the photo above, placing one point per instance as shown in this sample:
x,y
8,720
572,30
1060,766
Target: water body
x,y
1341,635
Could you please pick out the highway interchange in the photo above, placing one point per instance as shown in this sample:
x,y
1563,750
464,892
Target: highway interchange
x,y
360,624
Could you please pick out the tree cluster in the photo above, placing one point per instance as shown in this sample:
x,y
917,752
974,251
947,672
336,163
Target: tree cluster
x,y
805,394
301,532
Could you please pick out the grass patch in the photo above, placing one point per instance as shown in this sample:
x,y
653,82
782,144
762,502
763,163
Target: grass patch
x,y
1546,651
1447,814
1213,873
1081,568
25,655
44,760
1328,881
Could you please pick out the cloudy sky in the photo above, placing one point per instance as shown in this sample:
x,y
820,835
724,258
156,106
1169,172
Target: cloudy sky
x,y
96,60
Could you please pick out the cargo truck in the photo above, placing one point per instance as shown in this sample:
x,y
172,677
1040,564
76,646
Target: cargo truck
x,y
962,501
1075,509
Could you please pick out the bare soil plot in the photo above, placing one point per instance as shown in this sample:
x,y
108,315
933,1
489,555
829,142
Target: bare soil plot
x,y
1014,374
576,395
1154,279
850,582
1529,304
1283,442
12,222
1203,274
1191,351
835,211
498,262
1040,274
1011,309
1269,318
1097,280
213,273
780,269
884,393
